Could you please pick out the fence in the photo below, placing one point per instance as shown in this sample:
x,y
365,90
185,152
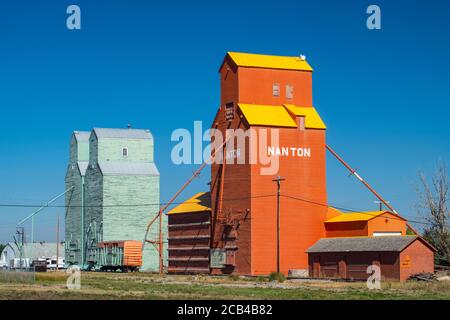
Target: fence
x,y
18,276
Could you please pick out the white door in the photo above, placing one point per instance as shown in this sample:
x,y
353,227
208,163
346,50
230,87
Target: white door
x,y
383,234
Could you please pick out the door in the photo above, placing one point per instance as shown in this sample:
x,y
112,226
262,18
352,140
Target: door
x,y
316,266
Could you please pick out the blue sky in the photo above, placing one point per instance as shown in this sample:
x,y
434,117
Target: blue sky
x,y
383,94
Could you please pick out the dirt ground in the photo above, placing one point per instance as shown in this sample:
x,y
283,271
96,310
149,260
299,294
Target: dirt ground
x,y
96,285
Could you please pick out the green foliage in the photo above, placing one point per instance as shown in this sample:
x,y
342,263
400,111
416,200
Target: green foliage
x,y
262,279
2,246
234,277
277,276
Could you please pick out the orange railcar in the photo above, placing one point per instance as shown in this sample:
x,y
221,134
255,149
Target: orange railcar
x,y
123,255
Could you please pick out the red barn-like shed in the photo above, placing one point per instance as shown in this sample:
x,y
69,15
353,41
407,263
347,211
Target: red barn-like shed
x,y
398,257
189,235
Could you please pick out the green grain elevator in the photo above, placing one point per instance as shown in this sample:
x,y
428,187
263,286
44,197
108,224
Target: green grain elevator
x,y
75,178
120,193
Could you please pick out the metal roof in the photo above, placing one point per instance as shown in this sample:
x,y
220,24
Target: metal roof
x,y
280,115
37,249
82,166
312,118
109,133
362,244
122,168
361,216
198,203
265,115
356,216
82,136
269,61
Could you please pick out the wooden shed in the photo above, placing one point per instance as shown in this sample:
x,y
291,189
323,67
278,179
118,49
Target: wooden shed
x,y
189,235
399,257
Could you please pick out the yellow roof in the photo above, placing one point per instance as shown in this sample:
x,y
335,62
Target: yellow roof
x,y
200,202
356,216
333,212
264,115
312,118
268,61
280,116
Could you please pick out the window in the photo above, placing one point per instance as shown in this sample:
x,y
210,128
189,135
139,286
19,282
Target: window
x,y
276,89
125,152
289,91
229,111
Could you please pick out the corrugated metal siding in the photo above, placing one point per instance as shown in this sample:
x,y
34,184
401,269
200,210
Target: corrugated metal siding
x,y
73,199
128,222
189,235
117,189
93,210
111,150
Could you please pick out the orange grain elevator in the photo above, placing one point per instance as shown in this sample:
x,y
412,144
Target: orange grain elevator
x,y
271,97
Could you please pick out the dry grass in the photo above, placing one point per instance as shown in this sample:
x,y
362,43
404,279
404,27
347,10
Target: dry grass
x,y
52,285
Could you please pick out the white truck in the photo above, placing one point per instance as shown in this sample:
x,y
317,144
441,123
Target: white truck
x,y
51,263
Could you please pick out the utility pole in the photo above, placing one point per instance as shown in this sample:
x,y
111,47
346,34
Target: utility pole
x,y
278,181
82,219
57,242
20,231
32,229
161,245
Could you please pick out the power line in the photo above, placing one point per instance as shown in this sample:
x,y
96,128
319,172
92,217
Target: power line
x,y
196,201
124,205
349,210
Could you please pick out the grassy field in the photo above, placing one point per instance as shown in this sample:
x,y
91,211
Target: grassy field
x,y
52,285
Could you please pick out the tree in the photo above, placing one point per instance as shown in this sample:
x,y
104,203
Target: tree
x,y
433,206
2,246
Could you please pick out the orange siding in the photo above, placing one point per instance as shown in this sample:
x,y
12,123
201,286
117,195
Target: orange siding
x,y
132,253
301,222
255,86
386,223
